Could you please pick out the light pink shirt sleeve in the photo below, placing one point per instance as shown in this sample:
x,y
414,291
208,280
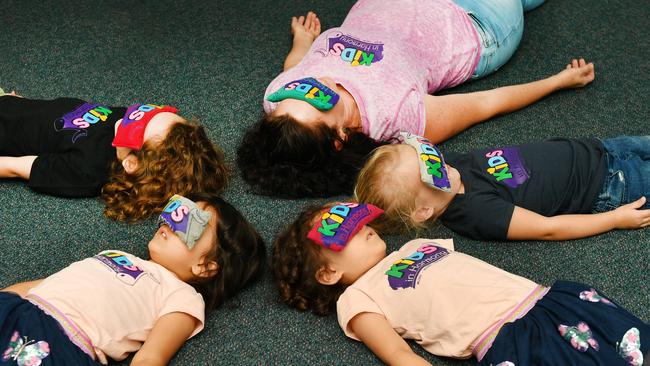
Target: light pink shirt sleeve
x,y
185,300
352,303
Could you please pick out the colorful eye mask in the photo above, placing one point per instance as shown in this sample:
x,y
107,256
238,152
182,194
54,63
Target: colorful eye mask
x,y
130,133
309,90
185,219
340,223
433,171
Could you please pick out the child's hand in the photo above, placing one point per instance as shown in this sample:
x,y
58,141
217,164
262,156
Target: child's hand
x,y
576,74
631,217
305,28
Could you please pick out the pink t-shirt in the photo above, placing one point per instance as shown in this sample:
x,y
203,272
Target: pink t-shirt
x,y
442,299
115,298
388,55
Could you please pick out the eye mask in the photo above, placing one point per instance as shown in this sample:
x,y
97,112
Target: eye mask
x,y
185,219
130,133
340,223
433,171
309,90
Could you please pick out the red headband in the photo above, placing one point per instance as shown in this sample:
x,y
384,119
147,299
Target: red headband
x,y
130,133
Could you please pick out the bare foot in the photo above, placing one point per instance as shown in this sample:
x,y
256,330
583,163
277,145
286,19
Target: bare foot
x,y
305,29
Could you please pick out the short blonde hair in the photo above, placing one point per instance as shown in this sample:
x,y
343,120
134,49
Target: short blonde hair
x,y
378,185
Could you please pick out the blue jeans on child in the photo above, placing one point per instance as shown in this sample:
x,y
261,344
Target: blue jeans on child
x,y
628,172
500,24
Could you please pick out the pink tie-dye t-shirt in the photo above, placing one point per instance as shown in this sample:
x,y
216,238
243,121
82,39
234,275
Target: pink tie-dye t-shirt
x,y
389,55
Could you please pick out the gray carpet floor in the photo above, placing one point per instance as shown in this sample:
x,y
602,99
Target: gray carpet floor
x,y
213,60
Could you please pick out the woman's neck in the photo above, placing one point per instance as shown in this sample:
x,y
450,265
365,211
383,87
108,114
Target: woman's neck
x,y
349,109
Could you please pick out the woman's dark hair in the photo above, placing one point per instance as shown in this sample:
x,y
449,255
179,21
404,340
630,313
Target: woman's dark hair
x,y
295,260
240,254
281,157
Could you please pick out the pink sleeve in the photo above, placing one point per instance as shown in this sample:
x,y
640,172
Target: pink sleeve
x,y
411,113
268,106
351,303
274,85
186,300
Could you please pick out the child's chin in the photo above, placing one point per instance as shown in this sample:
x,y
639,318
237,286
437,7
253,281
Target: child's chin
x,y
152,249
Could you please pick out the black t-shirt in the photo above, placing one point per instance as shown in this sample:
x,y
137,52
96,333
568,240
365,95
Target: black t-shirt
x,y
554,177
72,139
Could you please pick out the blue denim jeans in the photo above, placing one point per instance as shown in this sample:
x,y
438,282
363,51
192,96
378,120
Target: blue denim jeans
x,y
628,172
500,24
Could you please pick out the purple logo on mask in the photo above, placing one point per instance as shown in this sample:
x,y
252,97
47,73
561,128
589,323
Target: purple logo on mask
x,y
405,272
355,51
125,270
185,219
81,118
507,167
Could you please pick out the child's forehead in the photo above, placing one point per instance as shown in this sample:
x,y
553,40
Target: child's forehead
x,y
407,158
160,125
405,151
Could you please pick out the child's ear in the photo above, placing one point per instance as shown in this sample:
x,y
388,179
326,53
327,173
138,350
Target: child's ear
x,y
327,275
422,213
130,164
204,269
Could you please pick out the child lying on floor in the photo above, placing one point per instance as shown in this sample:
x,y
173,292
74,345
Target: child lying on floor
x,y
115,303
136,157
553,190
450,303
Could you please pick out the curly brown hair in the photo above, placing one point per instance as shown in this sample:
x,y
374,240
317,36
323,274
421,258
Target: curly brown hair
x,y
295,260
184,161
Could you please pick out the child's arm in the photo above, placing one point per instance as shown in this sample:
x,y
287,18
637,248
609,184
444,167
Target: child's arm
x,y
375,332
167,336
16,167
447,115
304,30
22,288
528,225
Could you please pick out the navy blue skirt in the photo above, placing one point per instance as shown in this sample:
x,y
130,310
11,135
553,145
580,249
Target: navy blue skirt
x,y
28,334
573,324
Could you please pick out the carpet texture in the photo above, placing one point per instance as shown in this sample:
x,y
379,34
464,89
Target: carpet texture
x,y
213,60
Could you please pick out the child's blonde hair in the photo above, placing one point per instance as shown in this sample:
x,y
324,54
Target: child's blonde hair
x,y
377,184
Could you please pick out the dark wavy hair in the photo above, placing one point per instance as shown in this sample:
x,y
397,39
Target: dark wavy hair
x,y
280,156
295,261
240,254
